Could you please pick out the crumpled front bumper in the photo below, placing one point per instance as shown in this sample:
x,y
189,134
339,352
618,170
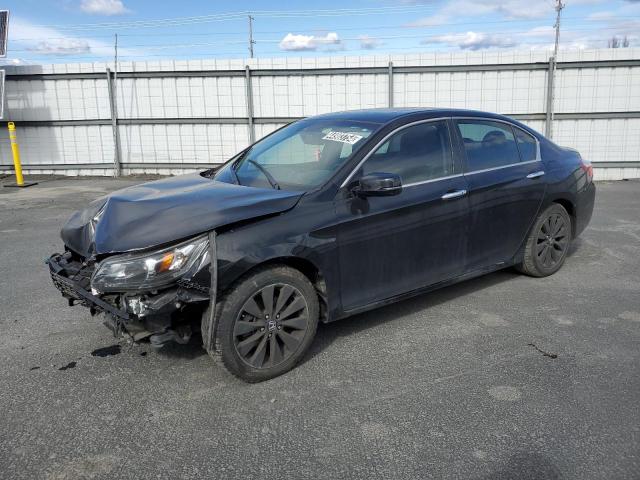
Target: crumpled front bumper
x,y
170,314
71,279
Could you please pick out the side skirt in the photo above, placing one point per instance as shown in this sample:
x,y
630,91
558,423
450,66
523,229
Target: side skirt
x,y
420,291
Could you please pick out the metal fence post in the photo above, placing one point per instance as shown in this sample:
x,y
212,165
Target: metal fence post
x,y
247,76
548,128
390,84
113,106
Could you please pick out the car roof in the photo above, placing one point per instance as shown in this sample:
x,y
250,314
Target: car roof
x,y
386,115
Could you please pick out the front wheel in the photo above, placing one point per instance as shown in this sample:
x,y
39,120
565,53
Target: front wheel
x,y
548,243
266,323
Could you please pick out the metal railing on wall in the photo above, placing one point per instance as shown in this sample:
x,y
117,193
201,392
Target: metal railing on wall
x,y
548,116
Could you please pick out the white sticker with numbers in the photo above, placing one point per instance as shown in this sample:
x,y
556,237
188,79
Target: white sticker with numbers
x,y
343,137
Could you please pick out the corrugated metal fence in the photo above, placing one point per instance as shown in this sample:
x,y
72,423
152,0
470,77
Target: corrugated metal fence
x,y
176,116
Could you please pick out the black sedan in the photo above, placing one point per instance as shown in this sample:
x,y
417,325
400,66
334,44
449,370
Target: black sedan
x,y
326,217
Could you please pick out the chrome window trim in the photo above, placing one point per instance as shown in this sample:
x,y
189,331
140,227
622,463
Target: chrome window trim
x,y
501,167
431,180
498,120
473,172
390,134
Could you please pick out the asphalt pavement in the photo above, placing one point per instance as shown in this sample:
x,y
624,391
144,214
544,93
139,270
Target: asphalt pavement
x,y
501,377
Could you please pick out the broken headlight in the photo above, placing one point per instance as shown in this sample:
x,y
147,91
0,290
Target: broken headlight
x,y
148,271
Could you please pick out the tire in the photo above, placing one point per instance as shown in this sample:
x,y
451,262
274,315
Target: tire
x,y
252,344
548,243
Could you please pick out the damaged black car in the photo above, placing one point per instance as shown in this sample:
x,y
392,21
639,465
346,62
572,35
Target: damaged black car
x,y
324,218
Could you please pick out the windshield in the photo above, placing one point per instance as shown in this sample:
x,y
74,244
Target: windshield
x,y
300,156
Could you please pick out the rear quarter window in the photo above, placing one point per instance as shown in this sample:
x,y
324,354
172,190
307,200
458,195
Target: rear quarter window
x,y
527,145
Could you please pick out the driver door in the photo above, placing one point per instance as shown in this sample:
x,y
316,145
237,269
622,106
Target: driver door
x,y
390,245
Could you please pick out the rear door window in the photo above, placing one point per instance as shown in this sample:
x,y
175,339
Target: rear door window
x,y
488,144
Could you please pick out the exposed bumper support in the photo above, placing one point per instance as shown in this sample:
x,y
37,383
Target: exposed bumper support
x,y
72,291
209,319
164,316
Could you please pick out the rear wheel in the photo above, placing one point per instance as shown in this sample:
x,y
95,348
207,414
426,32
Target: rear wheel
x,y
266,323
548,243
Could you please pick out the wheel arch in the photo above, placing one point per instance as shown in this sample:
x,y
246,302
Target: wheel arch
x,y
569,206
305,266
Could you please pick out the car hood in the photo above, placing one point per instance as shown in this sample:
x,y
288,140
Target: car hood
x,y
165,211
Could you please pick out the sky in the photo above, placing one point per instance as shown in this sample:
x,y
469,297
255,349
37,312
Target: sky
x,y
66,31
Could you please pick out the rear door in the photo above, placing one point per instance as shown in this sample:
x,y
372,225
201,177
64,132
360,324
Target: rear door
x,y
506,186
394,244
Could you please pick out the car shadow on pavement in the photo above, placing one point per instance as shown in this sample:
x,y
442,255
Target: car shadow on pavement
x,y
328,333
189,351
574,246
525,466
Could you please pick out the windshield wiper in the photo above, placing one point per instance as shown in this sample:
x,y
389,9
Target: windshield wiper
x,y
272,181
234,174
234,166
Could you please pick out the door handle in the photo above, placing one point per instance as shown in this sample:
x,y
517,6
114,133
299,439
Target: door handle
x,y
452,195
536,174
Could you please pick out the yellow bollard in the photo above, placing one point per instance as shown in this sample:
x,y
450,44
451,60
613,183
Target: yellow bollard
x,y
16,158
16,154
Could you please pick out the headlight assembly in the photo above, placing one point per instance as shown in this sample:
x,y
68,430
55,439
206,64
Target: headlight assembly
x,y
148,271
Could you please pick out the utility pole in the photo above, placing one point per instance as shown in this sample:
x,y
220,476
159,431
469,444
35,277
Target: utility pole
x,y
113,98
251,40
115,58
554,60
559,7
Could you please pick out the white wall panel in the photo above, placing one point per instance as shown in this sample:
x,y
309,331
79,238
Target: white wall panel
x,y
537,125
598,90
601,173
181,97
297,96
57,99
264,129
521,91
60,145
179,143
606,89
614,140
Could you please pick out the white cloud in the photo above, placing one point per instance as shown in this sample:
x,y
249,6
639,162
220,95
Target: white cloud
x,y
542,38
473,41
369,43
103,7
522,9
455,10
300,43
13,61
432,21
40,40
545,31
601,16
588,2
61,46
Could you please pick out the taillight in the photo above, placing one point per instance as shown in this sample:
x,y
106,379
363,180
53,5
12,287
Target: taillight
x,y
586,166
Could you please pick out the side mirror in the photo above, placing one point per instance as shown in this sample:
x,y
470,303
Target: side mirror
x,y
379,184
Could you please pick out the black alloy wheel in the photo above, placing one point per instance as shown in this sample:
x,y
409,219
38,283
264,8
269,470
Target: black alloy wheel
x,y
548,243
271,326
266,321
552,240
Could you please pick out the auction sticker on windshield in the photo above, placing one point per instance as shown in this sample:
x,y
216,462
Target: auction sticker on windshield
x,y
343,137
